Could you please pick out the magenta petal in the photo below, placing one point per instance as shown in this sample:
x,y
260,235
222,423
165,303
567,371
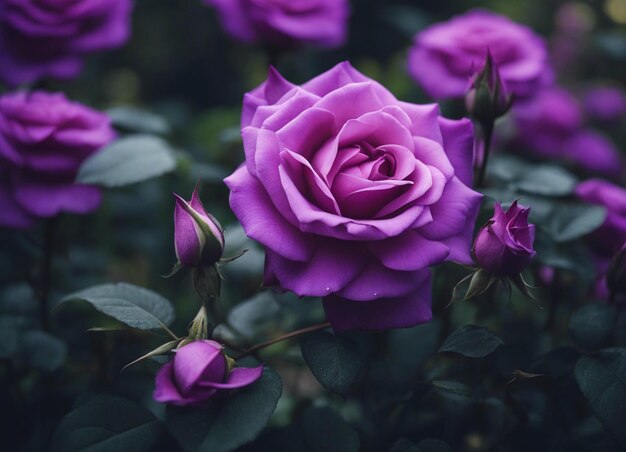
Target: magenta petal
x,y
186,235
238,377
12,214
192,361
401,312
458,141
166,390
409,251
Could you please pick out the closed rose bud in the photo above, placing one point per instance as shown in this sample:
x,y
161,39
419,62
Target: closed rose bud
x,y
488,98
616,274
504,246
198,236
199,371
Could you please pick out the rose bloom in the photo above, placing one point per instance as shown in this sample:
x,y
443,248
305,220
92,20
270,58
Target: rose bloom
x,y
552,126
48,39
605,103
445,55
504,246
44,138
198,372
608,238
285,23
354,194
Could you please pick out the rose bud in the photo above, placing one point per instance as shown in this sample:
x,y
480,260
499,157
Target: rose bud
x,y
616,274
504,246
488,98
199,371
198,236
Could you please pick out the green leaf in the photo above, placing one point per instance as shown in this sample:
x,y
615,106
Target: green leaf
x,y
107,424
471,341
323,430
128,160
404,445
546,180
132,305
8,337
570,222
334,361
602,380
226,423
42,350
591,326
453,387
137,120
433,445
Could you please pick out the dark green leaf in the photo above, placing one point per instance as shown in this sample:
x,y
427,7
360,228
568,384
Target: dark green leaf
x,y
570,222
546,180
602,379
42,350
471,341
8,337
138,120
107,424
226,423
433,445
591,326
256,315
454,387
556,363
334,361
128,160
404,445
132,305
323,430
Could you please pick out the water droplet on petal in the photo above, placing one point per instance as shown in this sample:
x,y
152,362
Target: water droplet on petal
x,y
327,289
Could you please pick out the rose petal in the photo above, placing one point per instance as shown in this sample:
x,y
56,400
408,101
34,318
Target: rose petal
x,y
238,377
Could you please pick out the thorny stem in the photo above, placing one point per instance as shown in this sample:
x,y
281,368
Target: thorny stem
x,y
487,130
285,337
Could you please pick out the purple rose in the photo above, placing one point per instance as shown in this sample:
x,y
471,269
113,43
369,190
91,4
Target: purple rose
x,y
445,55
44,138
607,239
504,246
605,103
354,194
552,126
48,39
198,236
199,371
285,23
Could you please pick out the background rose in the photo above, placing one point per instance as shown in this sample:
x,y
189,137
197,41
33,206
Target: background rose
x,y
40,40
354,194
43,140
445,55
285,23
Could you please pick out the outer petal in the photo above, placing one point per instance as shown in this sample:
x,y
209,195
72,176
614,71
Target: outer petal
x,y
458,142
192,362
238,377
409,251
406,311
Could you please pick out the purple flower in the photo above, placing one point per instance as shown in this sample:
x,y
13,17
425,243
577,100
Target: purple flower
x,y
552,126
608,238
605,103
285,23
504,246
198,236
48,39
199,371
354,194
44,138
445,55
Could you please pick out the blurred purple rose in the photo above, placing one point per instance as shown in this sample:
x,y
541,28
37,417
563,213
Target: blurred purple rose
x,y
504,246
44,138
199,371
198,236
605,103
552,126
354,194
285,23
48,39
445,55
606,240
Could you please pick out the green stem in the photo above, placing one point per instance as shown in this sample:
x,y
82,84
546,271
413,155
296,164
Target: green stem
x,y
296,333
487,131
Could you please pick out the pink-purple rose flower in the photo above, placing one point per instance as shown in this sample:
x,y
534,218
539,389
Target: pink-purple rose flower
x,y
552,126
39,38
354,194
44,138
285,23
504,246
608,238
198,372
445,55
198,236
605,103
